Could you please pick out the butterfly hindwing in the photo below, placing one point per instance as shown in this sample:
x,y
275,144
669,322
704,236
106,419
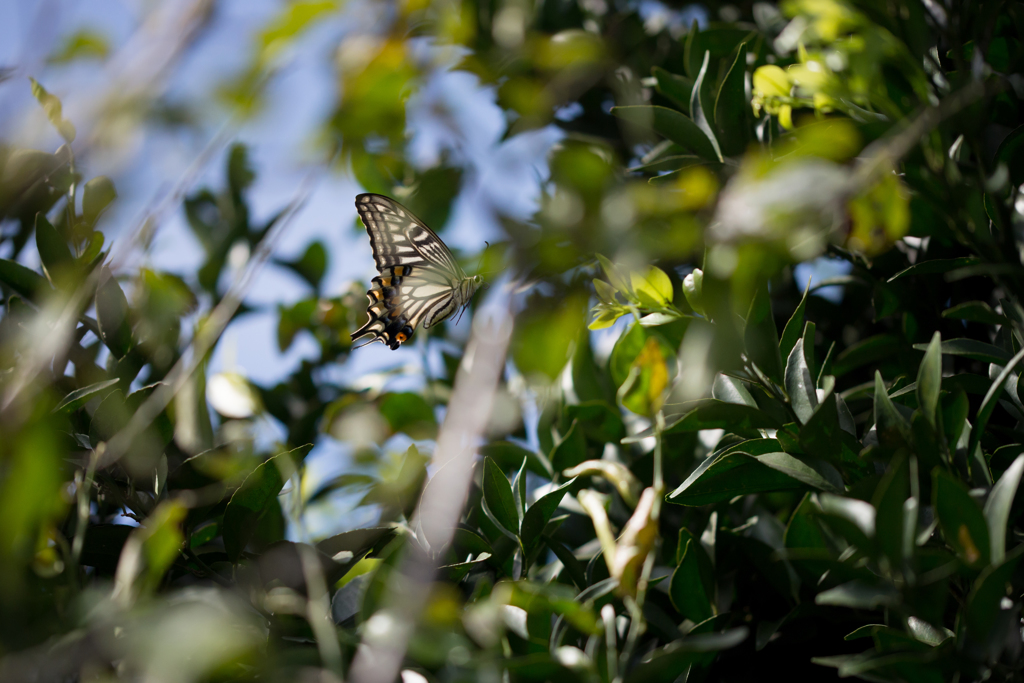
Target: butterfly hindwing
x,y
420,281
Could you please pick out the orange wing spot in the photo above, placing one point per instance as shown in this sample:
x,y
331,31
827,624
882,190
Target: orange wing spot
x,y
400,270
393,314
385,281
401,336
376,294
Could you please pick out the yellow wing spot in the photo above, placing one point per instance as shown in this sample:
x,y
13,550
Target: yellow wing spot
x,y
400,270
385,281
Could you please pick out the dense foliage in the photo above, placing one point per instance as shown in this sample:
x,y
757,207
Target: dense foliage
x,y
727,474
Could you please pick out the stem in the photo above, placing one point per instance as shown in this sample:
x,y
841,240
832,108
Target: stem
x,y
84,494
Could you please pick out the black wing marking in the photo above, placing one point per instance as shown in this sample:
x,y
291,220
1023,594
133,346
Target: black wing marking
x,y
398,238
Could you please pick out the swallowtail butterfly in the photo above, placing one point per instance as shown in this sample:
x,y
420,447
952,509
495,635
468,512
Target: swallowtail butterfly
x,y
419,283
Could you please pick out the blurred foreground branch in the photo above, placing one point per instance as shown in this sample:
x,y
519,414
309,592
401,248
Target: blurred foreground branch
x,y
379,657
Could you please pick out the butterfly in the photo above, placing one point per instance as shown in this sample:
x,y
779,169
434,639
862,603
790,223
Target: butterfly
x,y
420,281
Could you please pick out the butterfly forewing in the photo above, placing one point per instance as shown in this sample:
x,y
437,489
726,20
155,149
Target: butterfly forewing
x,y
419,282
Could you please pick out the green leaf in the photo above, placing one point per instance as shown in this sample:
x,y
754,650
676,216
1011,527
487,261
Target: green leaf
x,y
53,250
519,489
311,266
731,106
761,337
97,195
508,454
693,286
738,474
859,595
643,392
973,349
795,326
672,125
714,414
614,276
79,397
975,311
936,266
597,419
24,281
865,351
499,498
988,404
539,514
675,88
410,413
698,108
692,587
997,507
985,598
893,430
731,390
112,316
254,499
53,108
799,384
570,451
961,519
652,286
1011,153
929,379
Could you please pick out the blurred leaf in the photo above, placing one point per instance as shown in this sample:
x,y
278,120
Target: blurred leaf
x,y
410,413
112,316
22,280
53,108
251,501
961,519
858,595
79,397
929,380
865,351
598,421
985,599
543,337
82,44
311,266
672,125
97,195
652,286
675,88
506,454
571,450
693,290
149,551
499,498
1010,152
644,390
761,337
53,251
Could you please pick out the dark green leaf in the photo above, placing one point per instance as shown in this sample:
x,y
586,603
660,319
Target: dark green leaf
x,y
53,249
929,379
891,427
79,397
499,498
738,474
97,195
795,327
761,337
570,451
253,500
975,311
112,316
675,88
731,106
508,455
22,280
934,266
961,519
865,351
672,125
803,395
538,515
410,413
701,109
692,585
997,508
973,349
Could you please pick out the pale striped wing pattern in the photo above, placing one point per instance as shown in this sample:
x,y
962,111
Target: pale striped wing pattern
x,y
420,281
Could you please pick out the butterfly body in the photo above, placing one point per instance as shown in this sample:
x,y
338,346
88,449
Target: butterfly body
x,y
420,282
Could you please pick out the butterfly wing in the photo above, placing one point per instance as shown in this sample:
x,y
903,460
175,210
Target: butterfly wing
x,y
419,281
